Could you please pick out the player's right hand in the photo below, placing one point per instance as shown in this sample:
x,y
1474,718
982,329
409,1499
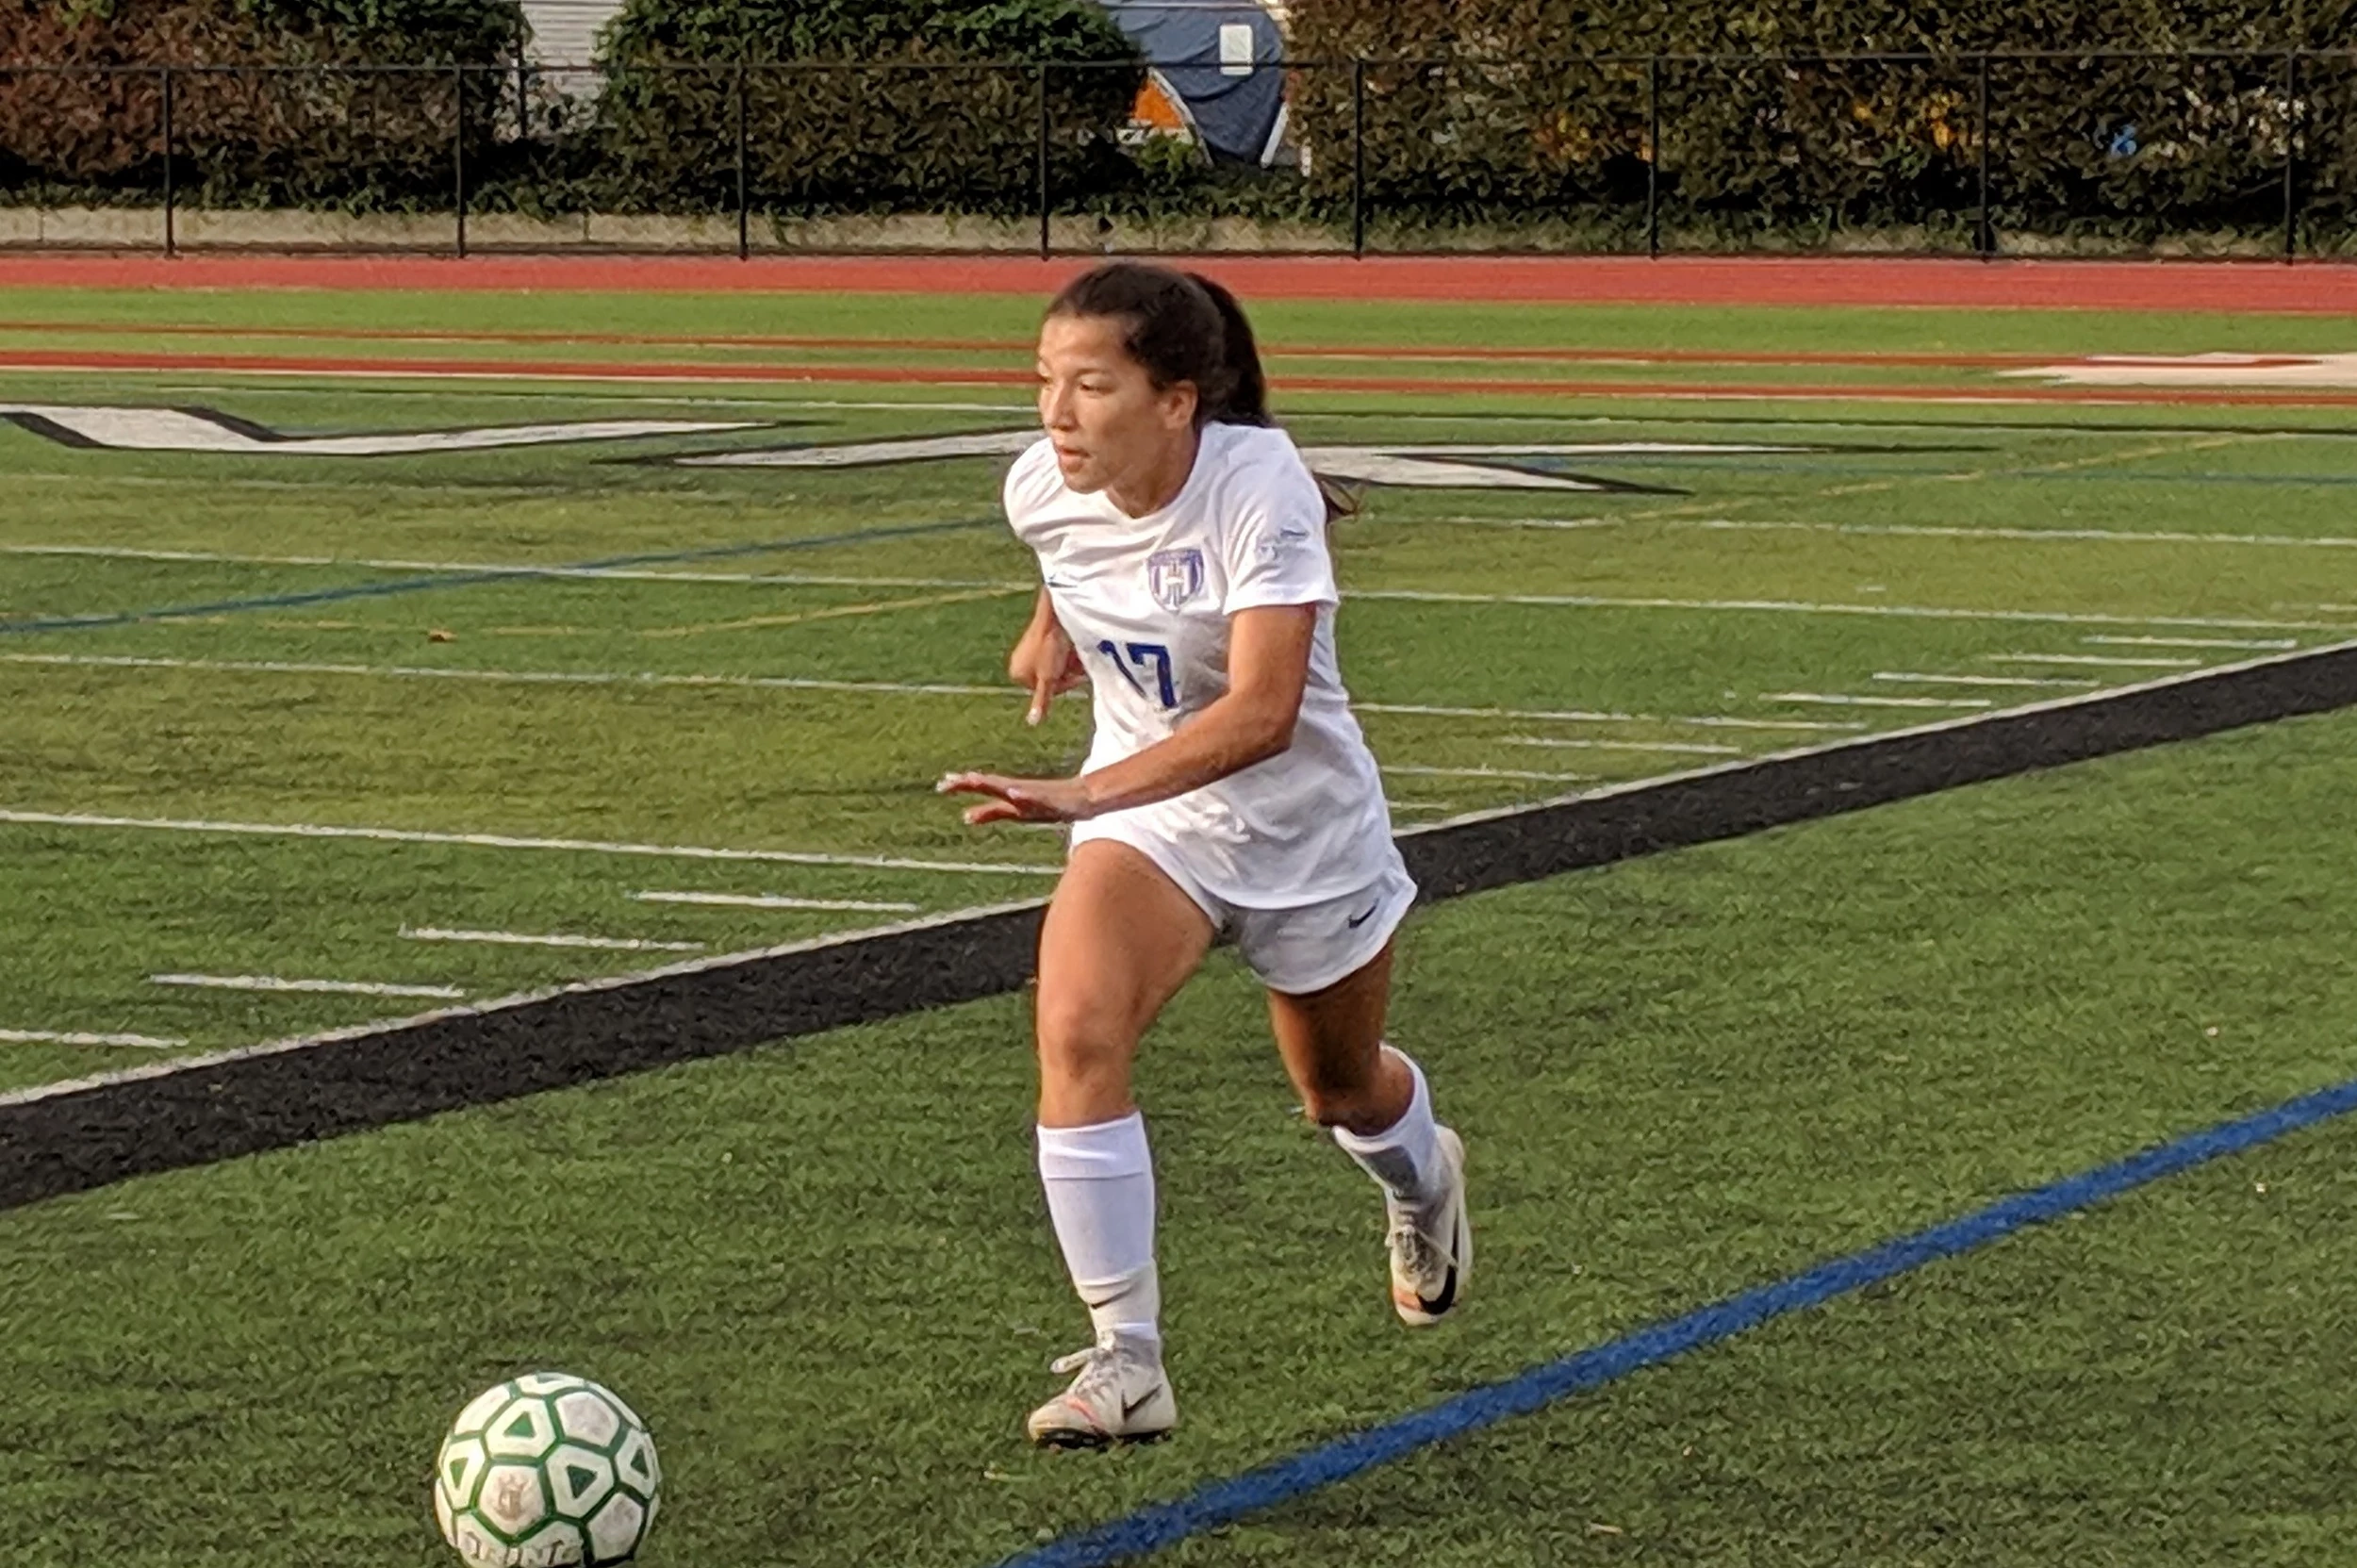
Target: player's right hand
x,y
1045,661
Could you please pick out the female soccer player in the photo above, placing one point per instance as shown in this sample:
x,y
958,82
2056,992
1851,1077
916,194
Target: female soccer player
x,y
1181,545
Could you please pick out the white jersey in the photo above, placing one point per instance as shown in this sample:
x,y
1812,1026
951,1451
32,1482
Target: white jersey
x,y
1146,602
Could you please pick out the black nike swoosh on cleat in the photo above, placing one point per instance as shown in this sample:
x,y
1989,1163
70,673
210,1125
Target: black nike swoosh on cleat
x,y
1358,920
1434,1306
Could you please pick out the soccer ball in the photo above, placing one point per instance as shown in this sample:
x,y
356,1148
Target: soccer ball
x,y
548,1471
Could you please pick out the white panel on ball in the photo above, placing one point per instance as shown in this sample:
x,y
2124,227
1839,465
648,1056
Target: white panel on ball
x,y
585,1417
524,1430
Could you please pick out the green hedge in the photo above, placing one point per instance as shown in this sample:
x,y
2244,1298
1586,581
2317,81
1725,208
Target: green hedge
x,y
246,132
933,116
1798,147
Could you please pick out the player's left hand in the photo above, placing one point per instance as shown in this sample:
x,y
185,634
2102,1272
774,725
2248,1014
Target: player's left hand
x,y
1019,799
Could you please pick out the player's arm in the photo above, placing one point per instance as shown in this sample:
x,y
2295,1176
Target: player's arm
x,y
1044,660
1268,669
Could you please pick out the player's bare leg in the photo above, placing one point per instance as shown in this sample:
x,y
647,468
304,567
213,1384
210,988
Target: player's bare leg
x,y
1380,1109
1119,940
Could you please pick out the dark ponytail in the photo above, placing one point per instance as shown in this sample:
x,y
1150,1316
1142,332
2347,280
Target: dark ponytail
x,y
1181,327
1247,398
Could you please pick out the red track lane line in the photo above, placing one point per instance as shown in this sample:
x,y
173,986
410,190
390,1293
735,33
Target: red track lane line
x,y
1865,360
101,362
2240,286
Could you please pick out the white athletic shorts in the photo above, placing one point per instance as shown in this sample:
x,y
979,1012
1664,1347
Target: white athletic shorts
x,y
1295,950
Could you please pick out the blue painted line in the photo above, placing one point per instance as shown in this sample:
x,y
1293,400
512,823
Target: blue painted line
x,y
490,574
1223,1502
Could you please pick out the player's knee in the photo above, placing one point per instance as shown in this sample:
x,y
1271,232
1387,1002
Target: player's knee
x,y
1077,1040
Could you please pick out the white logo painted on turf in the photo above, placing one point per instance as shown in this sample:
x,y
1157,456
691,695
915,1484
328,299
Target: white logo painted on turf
x,y
206,430
2200,369
1444,466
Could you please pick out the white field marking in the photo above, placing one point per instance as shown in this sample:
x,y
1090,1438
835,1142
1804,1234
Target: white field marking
x,y
1841,700
1930,727
1484,773
76,1037
1688,748
777,900
1575,716
613,982
122,429
507,841
2072,536
271,983
517,939
2199,370
783,397
519,677
1910,676
1403,808
2097,659
1934,531
630,574
2195,642
1788,606
501,1004
792,682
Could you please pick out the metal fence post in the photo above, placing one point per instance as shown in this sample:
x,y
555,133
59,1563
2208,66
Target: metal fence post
x,y
1652,154
1040,172
171,243
1985,223
744,206
1357,157
458,149
2291,154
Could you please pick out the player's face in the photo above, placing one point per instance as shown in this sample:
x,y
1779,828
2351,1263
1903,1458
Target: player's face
x,y
1109,421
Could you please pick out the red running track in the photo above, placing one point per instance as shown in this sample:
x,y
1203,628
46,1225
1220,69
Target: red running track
x,y
2237,287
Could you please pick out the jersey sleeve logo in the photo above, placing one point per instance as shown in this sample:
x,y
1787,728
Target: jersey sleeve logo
x,y
1174,576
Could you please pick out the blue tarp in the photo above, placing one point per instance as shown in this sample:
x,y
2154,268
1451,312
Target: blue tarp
x,y
1217,62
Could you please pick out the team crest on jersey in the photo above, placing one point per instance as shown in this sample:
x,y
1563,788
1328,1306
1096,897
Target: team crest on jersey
x,y
1175,576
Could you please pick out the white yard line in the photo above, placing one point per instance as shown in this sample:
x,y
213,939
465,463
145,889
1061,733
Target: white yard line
x,y
2034,536
519,939
288,1044
1574,716
1484,773
2093,659
510,841
514,677
2195,642
1910,676
1934,531
307,1042
1842,700
1792,606
339,987
776,901
76,1037
791,682
1684,747
513,569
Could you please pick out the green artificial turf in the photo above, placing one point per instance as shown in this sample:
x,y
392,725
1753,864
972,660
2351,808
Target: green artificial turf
x,y
821,1270
333,657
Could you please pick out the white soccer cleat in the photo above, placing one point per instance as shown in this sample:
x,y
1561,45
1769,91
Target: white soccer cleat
x,y
1432,1244
1120,1396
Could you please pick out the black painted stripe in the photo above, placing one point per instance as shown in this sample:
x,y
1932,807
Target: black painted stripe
x,y
172,1116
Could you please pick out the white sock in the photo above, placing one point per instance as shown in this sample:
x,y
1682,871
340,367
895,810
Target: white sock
x,y
1405,1157
1100,1197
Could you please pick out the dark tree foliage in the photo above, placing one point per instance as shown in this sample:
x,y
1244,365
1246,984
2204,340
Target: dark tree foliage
x,y
336,129
862,105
